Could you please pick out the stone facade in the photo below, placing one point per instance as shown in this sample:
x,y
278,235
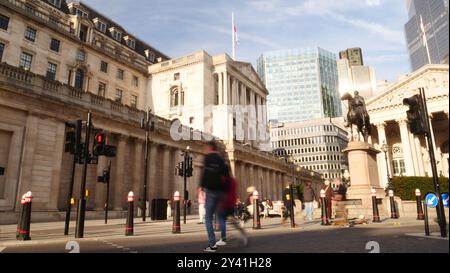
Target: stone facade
x,y
408,154
34,107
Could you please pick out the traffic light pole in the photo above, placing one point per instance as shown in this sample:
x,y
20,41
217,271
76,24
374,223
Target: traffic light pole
x,y
107,194
185,167
72,177
144,197
69,197
82,202
440,207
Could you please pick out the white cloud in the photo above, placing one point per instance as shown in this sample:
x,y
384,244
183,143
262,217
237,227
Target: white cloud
x,y
373,2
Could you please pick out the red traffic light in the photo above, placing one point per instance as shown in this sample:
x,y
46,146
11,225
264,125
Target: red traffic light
x,y
99,138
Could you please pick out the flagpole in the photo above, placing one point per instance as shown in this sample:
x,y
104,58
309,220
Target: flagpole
x,y
233,36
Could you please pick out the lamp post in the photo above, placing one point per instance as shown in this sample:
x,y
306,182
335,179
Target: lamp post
x,y
185,195
385,150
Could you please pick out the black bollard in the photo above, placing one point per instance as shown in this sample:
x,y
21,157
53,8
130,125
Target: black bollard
x,y
427,227
22,218
176,226
324,216
376,214
420,215
129,230
256,220
24,230
394,213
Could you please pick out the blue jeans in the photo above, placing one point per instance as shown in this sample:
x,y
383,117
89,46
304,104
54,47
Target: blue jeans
x,y
213,199
309,209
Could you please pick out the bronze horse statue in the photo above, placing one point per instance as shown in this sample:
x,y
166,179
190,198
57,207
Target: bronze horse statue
x,y
357,115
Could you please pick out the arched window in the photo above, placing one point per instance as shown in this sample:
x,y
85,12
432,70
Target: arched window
x,y
79,78
174,98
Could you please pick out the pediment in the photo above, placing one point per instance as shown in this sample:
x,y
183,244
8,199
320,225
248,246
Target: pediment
x,y
248,70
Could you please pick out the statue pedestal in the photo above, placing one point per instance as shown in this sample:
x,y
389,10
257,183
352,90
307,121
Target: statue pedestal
x,y
363,178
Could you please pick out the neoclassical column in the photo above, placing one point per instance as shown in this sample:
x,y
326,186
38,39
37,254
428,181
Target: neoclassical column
x,y
56,168
152,170
220,83
138,171
119,195
225,88
100,188
170,170
414,154
381,159
419,155
165,180
407,153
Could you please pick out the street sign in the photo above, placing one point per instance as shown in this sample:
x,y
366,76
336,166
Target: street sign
x,y
445,199
431,200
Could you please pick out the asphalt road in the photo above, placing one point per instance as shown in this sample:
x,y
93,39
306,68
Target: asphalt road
x,y
388,237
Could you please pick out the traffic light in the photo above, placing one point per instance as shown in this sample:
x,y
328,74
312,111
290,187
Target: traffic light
x,y
179,170
99,144
415,115
100,147
73,137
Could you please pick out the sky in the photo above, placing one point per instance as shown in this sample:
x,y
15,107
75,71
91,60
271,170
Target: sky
x,y
181,27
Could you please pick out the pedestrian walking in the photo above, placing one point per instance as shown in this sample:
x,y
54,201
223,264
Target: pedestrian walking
x,y
287,201
308,197
226,211
214,169
201,199
328,197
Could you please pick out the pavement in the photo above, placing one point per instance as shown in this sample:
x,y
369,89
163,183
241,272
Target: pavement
x,y
404,235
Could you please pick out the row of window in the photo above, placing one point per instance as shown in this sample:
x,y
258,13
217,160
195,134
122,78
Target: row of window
x,y
311,129
323,167
30,35
306,141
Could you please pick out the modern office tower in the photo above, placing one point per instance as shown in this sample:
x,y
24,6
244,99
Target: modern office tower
x,y
353,77
434,14
316,145
353,55
302,84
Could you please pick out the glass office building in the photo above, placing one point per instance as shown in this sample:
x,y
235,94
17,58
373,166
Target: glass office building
x,y
435,20
302,84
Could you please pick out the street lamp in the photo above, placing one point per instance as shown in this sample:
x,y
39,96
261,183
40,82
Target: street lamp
x,y
385,150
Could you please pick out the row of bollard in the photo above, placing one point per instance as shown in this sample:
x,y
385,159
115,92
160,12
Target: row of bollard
x,y
23,227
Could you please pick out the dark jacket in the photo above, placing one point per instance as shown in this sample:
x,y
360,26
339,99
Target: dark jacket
x,y
286,202
214,168
308,194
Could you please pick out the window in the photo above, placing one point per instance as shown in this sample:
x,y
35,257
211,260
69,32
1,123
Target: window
x,y
119,74
4,22
54,45
79,79
100,25
2,48
131,43
174,97
136,81
399,167
176,76
51,71
101,89
81,56
25,61
149,56
56,3
117,35
133,101
79,12
83,33
30,34
104,67
119,94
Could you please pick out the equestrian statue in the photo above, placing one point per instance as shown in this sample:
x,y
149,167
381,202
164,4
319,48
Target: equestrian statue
x,y
357,115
